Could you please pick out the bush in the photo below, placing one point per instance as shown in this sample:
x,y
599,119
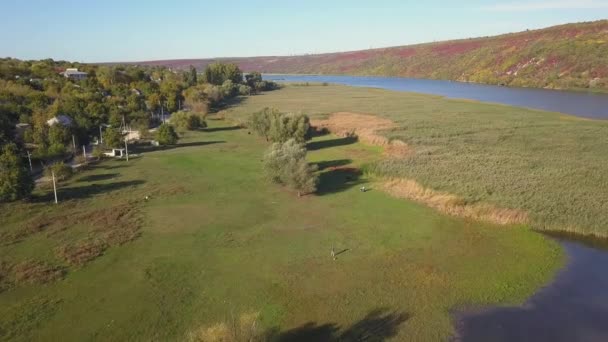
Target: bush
x,y
285,163
187,121
15,179
290,126
244,90
112,138
62,171
98,152
278,127
165,135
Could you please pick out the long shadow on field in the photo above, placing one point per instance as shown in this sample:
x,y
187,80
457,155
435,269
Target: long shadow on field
x,y
338,179
221,129
80,192
317,145
332,163
150,148
96,178
378,325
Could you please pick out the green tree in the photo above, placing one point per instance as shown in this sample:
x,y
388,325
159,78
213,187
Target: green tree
x,y
185,121
290,126
262,120
218,73
112,138
165,135
252,78
285,163
15,179
191,77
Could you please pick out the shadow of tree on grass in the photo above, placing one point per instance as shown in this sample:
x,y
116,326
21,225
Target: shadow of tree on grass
x,y
80,192
338,179
332,163
96,178
378,325
317,145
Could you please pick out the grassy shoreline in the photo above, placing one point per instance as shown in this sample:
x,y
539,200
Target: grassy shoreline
x,y
547,164
217,241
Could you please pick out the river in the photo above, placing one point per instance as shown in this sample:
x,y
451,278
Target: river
x,y
574,306
583,104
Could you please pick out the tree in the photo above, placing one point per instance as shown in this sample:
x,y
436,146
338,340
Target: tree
x,y
185,121
191,77
15,179
261,121
112,138
290,126
61,170
165,135
285,163
252,78
244,90
218,73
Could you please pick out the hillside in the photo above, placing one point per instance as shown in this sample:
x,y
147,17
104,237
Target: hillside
x,y
566,56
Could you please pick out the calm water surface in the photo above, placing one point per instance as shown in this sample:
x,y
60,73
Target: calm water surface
x,y
583,104
574,307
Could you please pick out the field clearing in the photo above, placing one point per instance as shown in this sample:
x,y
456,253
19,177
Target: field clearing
x,y
550,165
217,241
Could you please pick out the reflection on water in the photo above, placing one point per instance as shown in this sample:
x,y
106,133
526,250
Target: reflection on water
x,y
574,307
583,104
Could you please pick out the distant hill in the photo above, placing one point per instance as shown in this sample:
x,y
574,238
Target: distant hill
x,y
566,56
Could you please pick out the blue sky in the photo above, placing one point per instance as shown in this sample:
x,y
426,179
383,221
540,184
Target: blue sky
x,y
113,30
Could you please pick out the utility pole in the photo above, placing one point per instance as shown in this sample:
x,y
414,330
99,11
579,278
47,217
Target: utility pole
x,y
29,158
100,135
74,142
126,149
84,153
54,186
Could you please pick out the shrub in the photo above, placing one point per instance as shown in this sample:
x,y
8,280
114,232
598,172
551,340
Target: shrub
x,y
112,138
61,170
165,135
290,126
278,127
15,179
285,163
244,90
187,121
98,152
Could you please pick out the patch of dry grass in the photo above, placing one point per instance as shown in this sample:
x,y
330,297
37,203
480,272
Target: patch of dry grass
x,y
366,127
79,253
245,328
451,204
36,272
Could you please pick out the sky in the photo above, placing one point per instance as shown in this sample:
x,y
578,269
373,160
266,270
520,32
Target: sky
x,y
137,30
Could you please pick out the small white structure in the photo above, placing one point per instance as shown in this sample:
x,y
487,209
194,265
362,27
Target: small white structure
x,y
74,74
116,152
63,120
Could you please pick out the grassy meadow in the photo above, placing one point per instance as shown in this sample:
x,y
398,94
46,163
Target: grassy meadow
x,y
550,165
216,241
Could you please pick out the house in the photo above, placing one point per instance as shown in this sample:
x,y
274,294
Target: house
x,y
63,120
74,74
116,152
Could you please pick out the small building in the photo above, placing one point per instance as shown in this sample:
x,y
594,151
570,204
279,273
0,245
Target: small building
x,y
74,74
116,152
63,120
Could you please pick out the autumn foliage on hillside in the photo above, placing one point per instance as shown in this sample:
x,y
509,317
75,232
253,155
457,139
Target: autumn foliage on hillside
x,y
566,56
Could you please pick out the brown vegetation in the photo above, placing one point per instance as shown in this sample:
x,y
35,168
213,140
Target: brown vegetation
x,y
451,204
36,272
366,128
81,252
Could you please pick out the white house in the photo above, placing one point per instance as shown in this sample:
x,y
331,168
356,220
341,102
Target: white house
x,y
63,120
74,74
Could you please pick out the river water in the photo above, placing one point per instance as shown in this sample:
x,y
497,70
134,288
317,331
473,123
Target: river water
x,y
574,307
583,104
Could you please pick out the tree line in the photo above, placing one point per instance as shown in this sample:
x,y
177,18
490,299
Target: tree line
x,y
111,98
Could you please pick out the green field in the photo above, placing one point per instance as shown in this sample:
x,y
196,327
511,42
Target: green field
x,y
547,164
216,241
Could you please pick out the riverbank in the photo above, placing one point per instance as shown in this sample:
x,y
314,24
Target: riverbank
x,y
583,104
215,242
546,164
